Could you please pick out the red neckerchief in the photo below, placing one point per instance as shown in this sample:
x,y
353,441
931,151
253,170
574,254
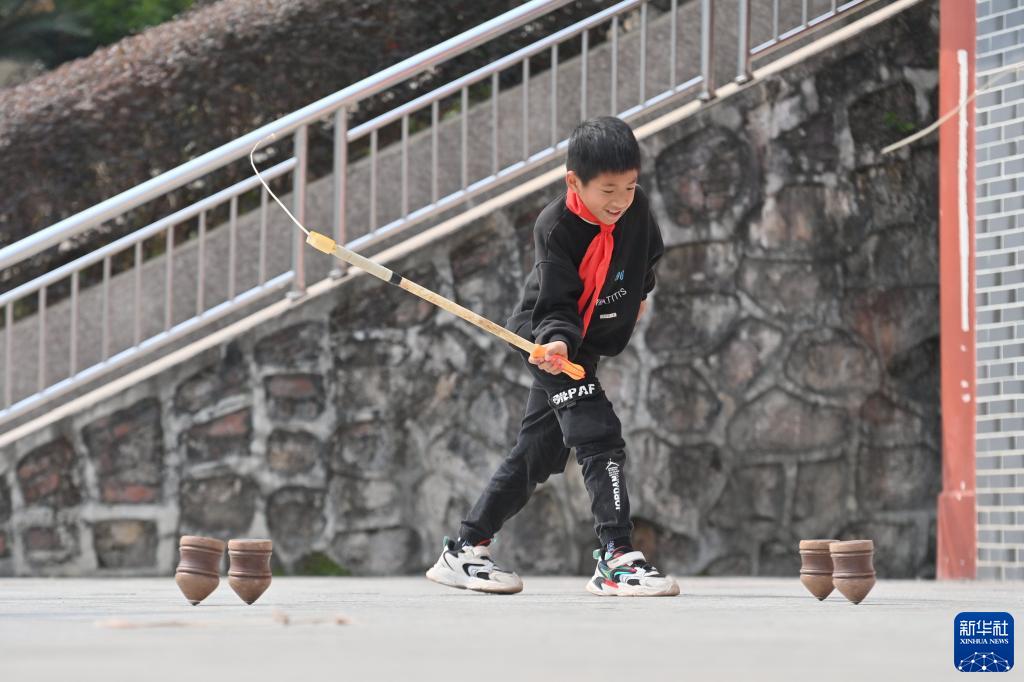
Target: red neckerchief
x,y
594,267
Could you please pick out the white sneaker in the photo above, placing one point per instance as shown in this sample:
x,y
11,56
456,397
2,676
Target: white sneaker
x,y
629,575
471,568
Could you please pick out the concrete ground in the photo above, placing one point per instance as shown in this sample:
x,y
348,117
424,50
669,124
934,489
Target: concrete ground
x,y
410,629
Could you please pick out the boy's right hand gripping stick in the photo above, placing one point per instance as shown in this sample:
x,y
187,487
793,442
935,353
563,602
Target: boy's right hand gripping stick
x,y
322,242
564,365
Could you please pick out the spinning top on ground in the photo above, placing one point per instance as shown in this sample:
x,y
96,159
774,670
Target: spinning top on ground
x,y
853,573
249,574
198,571
816,567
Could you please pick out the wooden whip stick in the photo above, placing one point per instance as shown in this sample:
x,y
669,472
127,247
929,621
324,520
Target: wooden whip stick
x,y
324,243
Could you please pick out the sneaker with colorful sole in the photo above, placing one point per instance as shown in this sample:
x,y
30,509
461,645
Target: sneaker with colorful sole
x,y
471,568
629,574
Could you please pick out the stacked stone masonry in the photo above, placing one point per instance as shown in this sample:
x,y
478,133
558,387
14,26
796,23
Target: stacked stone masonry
x,y
999,178
783,385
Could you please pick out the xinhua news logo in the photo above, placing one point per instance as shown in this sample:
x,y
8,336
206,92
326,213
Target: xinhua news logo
x,y
983,642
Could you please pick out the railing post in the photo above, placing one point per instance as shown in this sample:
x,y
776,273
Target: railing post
x,y
169,278
340,182
674,30
743,61
137,299
232,248
464,129
584,48
201,265
554,98
643,53
615,67
105,335
41,351
9,355
299,209
73,332
707,48
526,109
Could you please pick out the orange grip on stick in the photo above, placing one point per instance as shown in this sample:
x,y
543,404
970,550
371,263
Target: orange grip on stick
x,y
570,368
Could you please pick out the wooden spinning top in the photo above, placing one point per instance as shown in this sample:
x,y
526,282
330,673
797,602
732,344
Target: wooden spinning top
x,y
853,573
198,572
249,574
816,567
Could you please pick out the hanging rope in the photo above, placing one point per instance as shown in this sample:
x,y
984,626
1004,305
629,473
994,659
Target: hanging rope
x,y
1013,68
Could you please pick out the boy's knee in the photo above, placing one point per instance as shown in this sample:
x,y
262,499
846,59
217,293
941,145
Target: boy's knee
x,y
539,462
592,427
554,463
612,451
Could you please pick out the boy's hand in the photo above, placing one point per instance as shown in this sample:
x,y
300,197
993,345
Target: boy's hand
x,y
547,363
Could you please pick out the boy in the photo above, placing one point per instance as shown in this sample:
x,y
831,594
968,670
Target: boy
x,y
597,245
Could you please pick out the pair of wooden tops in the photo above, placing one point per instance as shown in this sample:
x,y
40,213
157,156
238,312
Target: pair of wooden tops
x,y
843,565
198,573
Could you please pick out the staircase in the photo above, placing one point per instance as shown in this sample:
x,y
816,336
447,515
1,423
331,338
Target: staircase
x,y
468,143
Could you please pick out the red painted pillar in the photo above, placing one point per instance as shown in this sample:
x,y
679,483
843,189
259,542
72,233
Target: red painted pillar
x,y
957,515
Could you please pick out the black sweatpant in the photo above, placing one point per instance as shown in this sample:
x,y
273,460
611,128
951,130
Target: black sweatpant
x,y
560,414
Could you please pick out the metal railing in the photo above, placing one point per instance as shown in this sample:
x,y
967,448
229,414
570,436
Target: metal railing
x,y
445,107
780,36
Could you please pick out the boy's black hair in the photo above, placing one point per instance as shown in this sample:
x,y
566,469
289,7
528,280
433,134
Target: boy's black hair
x,y
602,145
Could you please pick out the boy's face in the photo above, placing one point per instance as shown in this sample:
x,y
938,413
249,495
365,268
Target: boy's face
x,y
607,195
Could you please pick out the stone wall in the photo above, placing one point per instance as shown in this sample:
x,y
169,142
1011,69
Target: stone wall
x,y
783,385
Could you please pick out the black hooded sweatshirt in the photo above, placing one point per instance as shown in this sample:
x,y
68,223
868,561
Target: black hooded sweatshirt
x,y
549,308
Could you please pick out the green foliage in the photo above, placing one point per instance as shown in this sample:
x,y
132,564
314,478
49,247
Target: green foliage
x,y
318,563
37,30
110,20
894,122
55,31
